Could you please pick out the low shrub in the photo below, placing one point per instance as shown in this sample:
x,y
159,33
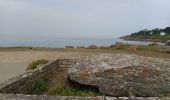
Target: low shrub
x,y
112,46
168,52
152,44
133,48
40,86
104,47
119,43
92,47
67,91
69,46
150,48
36,63
120,46
81,47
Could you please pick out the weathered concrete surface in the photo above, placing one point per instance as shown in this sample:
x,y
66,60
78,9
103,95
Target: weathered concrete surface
x,y
44,97
124,75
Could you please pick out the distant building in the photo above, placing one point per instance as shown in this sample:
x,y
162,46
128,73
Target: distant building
x,y
151,33
162,33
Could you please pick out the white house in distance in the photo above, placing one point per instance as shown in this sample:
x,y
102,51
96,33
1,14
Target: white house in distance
x,y
162,33
151,33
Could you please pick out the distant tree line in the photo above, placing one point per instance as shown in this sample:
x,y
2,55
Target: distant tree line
x,y
152,32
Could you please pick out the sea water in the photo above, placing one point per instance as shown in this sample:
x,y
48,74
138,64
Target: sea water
x,y
61,42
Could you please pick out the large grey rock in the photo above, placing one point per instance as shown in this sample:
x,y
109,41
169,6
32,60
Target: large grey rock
x,y
124,75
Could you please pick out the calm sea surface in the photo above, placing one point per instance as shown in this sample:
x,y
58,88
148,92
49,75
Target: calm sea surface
x,y
60,43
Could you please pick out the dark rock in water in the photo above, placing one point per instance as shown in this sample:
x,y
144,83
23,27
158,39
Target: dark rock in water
x,y
124,75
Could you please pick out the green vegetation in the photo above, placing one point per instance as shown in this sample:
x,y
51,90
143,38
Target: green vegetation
x,y
153,47
150,47
157,35
34,64
40,86
152,32
152,44
154,38
67,91
92,46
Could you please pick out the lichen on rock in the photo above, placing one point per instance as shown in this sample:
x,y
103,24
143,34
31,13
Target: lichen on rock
x,y
123,75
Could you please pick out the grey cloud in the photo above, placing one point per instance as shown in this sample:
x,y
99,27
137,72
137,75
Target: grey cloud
x,y
81,18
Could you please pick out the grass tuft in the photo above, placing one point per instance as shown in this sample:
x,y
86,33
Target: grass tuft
x,y
36,63
67,91
40,86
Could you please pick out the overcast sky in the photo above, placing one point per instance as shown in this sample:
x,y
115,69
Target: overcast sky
x,y
81,18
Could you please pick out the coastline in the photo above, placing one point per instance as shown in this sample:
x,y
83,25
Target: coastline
x,y
129,38
61,43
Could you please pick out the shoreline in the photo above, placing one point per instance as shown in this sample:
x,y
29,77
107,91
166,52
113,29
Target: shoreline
x,y
127,38
63,43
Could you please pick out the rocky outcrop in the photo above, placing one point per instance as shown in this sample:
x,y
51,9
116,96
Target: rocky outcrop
x,y
124,75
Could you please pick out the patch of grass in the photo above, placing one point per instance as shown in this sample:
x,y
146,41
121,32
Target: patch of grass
x,y
168,52
165,94
40,86
150,48
34,64
67,91
152,44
